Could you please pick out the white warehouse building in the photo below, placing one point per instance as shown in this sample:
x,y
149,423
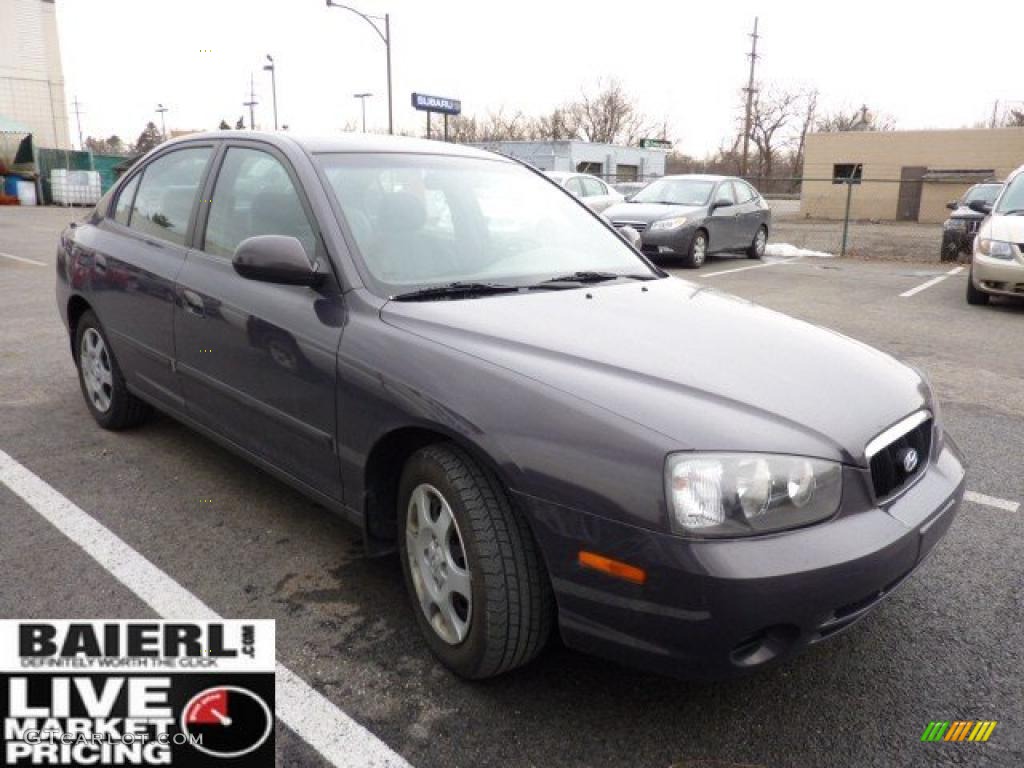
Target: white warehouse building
x,y
614,162
31,76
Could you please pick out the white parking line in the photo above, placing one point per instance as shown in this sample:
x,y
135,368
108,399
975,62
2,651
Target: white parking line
x,y
744,269
332,733
934,281
992,501
23,259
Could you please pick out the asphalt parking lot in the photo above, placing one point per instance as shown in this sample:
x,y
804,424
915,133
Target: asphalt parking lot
x,y
949,645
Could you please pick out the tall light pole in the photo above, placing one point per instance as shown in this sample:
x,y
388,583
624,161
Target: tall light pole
x,y
273,84
251,103
385,36
163,123
362,98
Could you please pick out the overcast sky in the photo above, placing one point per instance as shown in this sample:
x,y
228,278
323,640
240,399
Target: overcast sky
x,y
928,64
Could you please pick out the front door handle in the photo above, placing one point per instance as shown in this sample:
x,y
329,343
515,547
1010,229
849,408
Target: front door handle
x,y
193,303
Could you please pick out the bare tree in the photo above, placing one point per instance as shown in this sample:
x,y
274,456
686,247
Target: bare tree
x,y
772,113
609,116
1014,119
807,124
561,124
855,120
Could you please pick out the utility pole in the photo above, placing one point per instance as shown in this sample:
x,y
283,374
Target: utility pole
x,y
995,113
750,99
78,117
273,84
163,122
251,103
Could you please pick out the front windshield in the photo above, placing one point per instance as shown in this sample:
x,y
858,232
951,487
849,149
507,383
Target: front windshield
x,y
1013,197
429,220
676,192
985,192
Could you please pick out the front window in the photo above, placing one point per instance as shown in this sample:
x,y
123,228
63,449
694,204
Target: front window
x,y
985,192
428,220
676,192
1012,199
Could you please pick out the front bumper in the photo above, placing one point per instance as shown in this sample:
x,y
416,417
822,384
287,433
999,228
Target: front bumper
x,y
1001,277
667,241
720,608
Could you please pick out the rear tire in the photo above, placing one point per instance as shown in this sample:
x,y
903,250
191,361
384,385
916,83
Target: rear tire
x,y
698,253
757,246
487,551
950,248
975,297
102,382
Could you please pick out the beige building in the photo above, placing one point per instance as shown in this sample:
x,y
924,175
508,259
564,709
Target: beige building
x,y
31,77
904,175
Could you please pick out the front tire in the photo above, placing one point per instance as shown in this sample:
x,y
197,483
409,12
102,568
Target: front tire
x,y
477,582
975,297
757,246
698,252
106,395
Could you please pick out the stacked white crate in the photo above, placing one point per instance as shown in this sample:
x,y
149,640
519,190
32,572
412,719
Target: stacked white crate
x,y
75,187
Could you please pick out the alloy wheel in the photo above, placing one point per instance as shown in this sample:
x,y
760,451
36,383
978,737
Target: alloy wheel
x,y
97,372
700,250
438,564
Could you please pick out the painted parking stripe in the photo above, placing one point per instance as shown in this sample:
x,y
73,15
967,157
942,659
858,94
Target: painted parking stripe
x,y
934,281
992,501
744,269
22,259
336,736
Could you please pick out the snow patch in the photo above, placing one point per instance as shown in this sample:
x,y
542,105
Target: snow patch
x,y
787,251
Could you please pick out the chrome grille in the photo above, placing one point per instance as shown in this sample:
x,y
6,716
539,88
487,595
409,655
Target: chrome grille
x,y
639,226
886,454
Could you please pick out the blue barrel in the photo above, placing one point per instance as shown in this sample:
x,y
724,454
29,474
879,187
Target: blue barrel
x,y
11,185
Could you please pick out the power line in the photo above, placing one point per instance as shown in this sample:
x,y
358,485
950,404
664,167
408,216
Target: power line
x,y
750,98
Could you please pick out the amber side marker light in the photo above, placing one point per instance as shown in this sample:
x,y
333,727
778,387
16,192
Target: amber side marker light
x,y
616,568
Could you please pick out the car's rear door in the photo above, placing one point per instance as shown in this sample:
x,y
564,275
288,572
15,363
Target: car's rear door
x,y
137,254
750,216
257,359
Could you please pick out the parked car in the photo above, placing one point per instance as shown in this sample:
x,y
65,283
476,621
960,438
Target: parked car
x,y
550,430
959,229
997,261
693,216
594,192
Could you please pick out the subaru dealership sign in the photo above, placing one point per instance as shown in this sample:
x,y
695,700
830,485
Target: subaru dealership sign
x,y
440,104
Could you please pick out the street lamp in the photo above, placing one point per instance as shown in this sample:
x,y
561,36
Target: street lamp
x,y
385,37
163,123
273,84
362,98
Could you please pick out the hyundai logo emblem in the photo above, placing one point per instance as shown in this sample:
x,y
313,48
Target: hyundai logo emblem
x,y
910,459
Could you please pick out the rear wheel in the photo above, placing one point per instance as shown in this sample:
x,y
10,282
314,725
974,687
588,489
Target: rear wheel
x,y
950,247
974,296
103,387
756,249
478,585
698,252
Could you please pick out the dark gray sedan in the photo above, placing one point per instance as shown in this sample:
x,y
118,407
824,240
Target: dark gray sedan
x,y
691,217
456,355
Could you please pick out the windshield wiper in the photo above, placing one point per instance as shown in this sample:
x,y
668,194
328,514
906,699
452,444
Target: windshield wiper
x,y
455,290
1012,212
585,276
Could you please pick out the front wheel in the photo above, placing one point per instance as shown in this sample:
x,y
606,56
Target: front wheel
x,y
479,588
756,248
698,252
975,297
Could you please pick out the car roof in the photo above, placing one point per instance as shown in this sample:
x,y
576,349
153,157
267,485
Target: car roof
x,y
347,142
700,176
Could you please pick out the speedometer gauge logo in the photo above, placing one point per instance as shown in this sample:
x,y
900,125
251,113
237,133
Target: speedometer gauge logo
x,y
227,721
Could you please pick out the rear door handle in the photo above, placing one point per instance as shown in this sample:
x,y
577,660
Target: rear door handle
x,y
193,303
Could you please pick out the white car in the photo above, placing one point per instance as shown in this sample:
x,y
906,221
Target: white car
x,y
594,193
997,264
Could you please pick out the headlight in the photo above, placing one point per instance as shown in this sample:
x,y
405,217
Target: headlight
x,y
739,494
955,224
674,223
997,249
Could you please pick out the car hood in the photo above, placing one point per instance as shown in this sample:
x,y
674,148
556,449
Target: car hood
x,y
1009,228
707,370
648,212
963,212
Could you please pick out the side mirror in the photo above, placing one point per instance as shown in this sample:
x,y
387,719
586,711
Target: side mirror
x,y
275,259
953,205
629,198
721,202
630,235
980,206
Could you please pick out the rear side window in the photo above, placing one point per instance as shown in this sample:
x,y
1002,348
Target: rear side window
x,y
123,211
744,192
167,192
575,185
254,196
593,188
